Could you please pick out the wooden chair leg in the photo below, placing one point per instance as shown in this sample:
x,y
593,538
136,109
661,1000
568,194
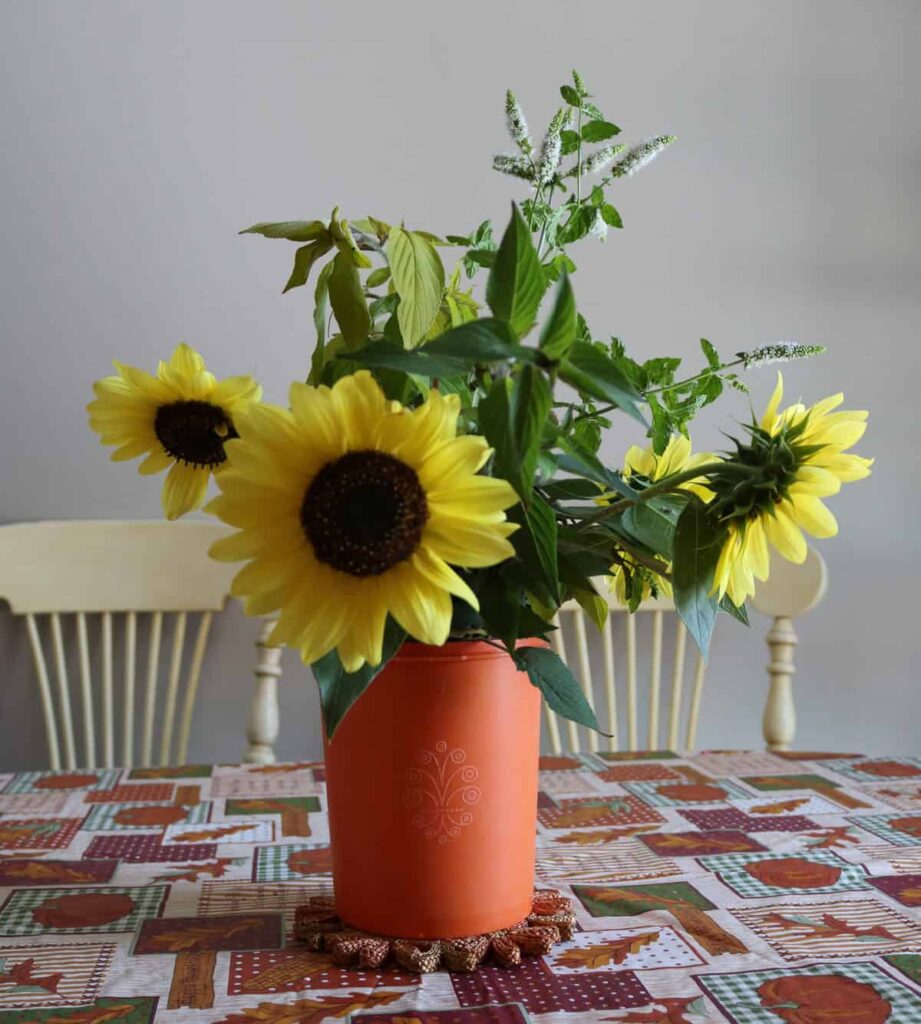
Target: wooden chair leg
x,y
779,720
262,725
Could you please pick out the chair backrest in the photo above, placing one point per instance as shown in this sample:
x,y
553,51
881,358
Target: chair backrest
x,y
635,647
629,648
99,595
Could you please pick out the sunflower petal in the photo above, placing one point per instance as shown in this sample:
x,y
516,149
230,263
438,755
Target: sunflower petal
x,y
184,490
785,535
769,419
813,516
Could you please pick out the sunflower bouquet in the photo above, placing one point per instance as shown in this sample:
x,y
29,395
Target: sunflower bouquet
x,y
431,480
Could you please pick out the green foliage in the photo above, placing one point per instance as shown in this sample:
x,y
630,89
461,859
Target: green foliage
x,y
560,330
419,279
340,689
346,296
516,282
562,692
416,329
698,540
512,417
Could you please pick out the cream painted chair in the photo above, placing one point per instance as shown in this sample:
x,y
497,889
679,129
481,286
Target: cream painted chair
x,y
632,647
97,597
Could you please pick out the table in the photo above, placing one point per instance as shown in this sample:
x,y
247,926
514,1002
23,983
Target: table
x,y
717,886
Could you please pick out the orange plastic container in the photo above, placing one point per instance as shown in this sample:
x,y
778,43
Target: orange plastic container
x,y
432,788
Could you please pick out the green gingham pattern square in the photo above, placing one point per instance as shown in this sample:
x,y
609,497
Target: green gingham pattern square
x,y
25,782
16,917
730,868
737,994
879,825
102,817
649,793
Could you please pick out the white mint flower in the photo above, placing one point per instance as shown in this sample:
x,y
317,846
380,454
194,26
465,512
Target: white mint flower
x,y
640,156
517,166
601,158
517,125
551,150
779,352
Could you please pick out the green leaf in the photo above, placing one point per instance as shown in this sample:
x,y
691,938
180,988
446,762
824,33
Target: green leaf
x,y
390,355
698,541
738,611
456,351
653,523
516,281
571,490
713,357
348,301
598,131
536,548
377,277
570,141
587,465
610,216
661,429
304,259
559,332
344,240
340,689
512,416
592,372
477,341
594,606
571,95
561,691
293,230
542,527
320,295
419,280
578,225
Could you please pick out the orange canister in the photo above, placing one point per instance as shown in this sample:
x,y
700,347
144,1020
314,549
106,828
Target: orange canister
x,y
432,788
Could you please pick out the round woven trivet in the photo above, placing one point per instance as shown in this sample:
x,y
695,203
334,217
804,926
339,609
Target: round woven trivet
x,y
551,921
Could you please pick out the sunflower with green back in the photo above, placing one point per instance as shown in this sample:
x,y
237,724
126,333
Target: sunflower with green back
x,y
428,482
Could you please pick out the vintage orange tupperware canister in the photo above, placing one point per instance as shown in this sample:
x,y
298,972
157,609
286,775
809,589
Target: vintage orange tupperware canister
x,y
432,790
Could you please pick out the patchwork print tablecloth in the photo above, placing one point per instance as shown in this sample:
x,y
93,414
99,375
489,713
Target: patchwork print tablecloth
x,y
720,886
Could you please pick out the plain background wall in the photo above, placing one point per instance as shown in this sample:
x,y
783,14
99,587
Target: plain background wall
x,y
139,137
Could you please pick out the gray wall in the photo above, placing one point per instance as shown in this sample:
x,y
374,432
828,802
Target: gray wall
x,y
138,137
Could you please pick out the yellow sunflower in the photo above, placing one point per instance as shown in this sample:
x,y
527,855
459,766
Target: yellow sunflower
x,y
643,462
179,419
350,507
802,455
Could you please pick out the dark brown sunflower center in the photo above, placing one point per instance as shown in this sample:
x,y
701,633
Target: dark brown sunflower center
x,y
364,513
194,432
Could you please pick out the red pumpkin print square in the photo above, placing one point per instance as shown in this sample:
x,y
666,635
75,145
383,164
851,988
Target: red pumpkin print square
x,y
846,993
34,911
768,874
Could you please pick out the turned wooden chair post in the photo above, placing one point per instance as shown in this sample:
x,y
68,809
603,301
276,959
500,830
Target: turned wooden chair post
x,y
262,724
790,590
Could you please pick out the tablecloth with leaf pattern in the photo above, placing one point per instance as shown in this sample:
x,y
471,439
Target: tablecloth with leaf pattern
x,y
717,886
